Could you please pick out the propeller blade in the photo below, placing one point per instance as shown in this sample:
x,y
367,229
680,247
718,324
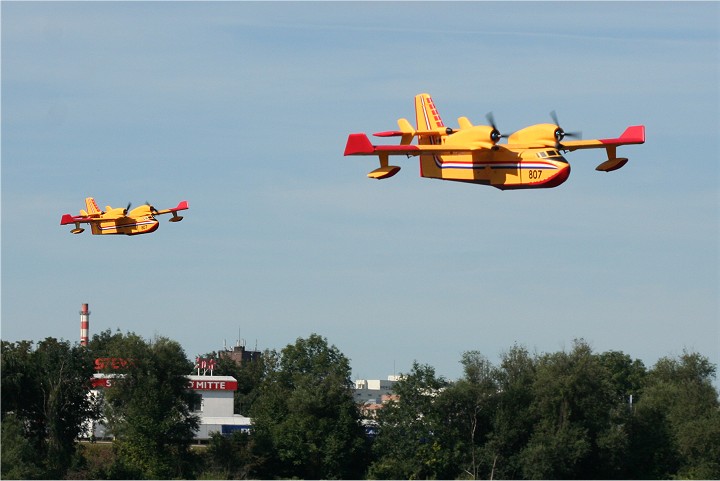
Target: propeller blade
x,y
554,116
495,135
153,210
491,120
560,134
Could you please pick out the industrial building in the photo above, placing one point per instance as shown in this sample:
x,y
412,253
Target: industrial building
x,y
371,391
214,406
215,403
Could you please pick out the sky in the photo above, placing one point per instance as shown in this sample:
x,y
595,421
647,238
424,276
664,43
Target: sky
x,y
243,109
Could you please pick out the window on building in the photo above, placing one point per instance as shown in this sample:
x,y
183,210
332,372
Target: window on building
x,y
198,404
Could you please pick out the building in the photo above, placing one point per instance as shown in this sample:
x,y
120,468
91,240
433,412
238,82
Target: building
x,y
214,407
215,404
239,354
371,395
371,391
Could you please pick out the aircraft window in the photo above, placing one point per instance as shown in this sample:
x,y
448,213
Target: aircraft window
x,y
542,154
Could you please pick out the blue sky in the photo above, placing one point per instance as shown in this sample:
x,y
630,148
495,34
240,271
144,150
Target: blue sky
x,y
243,109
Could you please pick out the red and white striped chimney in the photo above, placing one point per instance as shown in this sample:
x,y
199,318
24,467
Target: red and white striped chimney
x,y
84,325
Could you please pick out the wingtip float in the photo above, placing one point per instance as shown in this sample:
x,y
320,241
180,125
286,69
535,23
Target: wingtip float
x,y
119,220
531,158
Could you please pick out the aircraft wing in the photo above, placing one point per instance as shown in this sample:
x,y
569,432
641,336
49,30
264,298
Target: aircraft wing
x,y
632,135
181,206
359,144
72,219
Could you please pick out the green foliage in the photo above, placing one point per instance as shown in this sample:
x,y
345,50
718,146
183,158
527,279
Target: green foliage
x,y
46,390
556,415
19,380
572,403
563,415
19,457
410,443
305,422
468,405
230,457
148,409
513,419
677,421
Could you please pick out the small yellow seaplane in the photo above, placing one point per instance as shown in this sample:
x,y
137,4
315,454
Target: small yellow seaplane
x,y
118,220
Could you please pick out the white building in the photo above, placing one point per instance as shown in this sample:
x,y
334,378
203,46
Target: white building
x,y
215,406
371,391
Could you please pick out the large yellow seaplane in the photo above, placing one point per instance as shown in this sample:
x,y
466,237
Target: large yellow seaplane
x,y
118,220
531,158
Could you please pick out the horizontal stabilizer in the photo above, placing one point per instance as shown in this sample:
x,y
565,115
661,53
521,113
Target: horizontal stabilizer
x,y
632,135
182,206
67,219
359,144
72,219
389,133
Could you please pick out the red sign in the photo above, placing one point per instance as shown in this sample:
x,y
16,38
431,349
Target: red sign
x,y
198,385
113,363
194,384
101,382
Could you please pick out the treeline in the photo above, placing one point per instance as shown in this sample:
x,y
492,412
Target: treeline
x,y
567,415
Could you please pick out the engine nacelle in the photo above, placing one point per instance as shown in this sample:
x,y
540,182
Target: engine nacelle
x,y
542,134
475,133
115,211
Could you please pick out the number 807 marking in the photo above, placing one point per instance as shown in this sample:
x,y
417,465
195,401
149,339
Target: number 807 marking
x,y
534,174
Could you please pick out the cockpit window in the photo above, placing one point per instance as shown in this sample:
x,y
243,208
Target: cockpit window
x,y
551,154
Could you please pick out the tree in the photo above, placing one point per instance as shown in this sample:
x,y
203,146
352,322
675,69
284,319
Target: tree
x,y
512,422
625,375
409,444
46,390
230,457
19,457
676,423
148,410
468,407
305,421
573,401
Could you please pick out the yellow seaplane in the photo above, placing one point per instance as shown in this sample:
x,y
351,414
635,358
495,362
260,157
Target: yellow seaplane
x,y
530,158
118,220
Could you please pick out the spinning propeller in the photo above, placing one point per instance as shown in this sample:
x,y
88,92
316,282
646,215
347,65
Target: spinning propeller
x,y
560,134
495,135
153,210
